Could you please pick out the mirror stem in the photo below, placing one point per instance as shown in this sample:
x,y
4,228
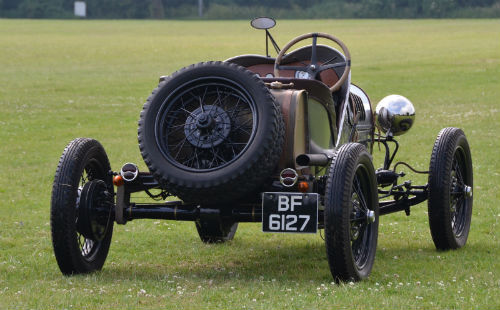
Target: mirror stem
x,y
267,48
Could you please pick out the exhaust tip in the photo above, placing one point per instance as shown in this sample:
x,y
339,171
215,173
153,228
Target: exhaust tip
x,y
129,172
302,160
312,160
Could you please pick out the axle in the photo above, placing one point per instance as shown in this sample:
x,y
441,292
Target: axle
x,y
177,210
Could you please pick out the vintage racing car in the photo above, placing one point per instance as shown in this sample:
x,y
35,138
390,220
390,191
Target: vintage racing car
x,y
285,141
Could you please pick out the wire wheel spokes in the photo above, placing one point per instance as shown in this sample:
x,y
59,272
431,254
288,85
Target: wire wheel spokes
x,y
86,245
458,199
360,226
206,125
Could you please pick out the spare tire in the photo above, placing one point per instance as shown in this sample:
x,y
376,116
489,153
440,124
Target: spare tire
x,y
211,132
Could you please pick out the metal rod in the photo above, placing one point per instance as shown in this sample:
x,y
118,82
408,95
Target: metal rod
x,y
180,212
388,158
162,212
143,181
267,39
391,206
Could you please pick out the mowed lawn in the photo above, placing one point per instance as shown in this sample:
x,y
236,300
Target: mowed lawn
x,y
65,79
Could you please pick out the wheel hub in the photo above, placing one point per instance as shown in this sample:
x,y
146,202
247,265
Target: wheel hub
x,y
205,121
468,191
370,216
207,126
94,206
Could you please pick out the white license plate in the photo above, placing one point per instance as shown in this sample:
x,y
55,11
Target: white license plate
x,y
290,212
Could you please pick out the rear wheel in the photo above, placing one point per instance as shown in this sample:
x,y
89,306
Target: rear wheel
x,y
450,190
215,231
351,214
81,207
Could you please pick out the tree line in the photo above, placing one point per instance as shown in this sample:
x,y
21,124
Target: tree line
x,y
245,9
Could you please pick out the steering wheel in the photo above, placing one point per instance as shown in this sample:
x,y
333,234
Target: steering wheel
x,y
314,68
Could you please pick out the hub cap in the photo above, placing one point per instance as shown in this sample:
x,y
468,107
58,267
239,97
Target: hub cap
x,y
207,127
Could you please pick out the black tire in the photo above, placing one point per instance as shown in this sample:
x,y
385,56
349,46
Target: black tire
x,y
211,132
81,234
351,214
216,231
450,190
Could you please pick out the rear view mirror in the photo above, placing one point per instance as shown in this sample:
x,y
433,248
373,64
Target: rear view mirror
x,y
263,23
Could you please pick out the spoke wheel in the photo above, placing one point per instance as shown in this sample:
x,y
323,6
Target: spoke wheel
x,y
211,133
351,214
207,126
81,207
450,190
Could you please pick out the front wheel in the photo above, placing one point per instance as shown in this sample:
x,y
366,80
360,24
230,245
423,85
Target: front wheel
x,y
450,190
351,214
81,207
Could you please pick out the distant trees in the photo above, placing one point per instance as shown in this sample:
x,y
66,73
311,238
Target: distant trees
x,y
229,9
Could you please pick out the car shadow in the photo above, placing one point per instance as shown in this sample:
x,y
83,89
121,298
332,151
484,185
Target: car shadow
x,y
272,258
258,261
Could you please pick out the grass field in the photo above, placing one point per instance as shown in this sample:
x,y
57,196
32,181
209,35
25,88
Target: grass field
x,y
65,79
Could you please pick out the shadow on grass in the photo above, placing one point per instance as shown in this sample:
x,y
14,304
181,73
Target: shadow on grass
x,y
234,260
263,260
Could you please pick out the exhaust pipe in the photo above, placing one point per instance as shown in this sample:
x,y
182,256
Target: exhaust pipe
x,y
129,172
312,160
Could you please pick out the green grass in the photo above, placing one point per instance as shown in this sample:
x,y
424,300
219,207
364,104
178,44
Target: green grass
x,y
65,79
